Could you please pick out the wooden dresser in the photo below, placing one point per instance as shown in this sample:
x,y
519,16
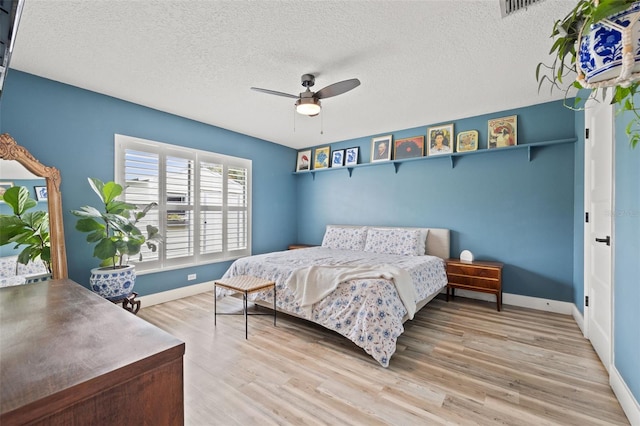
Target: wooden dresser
x,y
70,357
476,276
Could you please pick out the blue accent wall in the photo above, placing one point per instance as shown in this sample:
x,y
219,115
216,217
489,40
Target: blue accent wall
x,y
498,204
73,129
626,269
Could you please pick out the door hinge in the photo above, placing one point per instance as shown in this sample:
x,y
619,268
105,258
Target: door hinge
x,y
586,217
586,133
586,301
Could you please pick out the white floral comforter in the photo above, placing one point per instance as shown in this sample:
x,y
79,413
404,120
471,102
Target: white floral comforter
x,y
368,312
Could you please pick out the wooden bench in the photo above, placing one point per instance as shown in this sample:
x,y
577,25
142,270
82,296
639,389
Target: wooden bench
x,y
244,284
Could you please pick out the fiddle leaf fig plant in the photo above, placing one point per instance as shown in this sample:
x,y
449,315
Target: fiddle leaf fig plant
x,y
114,228
566,34
28,229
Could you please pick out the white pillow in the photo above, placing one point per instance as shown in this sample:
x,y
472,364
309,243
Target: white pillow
x,y
406,242
345,238
422,244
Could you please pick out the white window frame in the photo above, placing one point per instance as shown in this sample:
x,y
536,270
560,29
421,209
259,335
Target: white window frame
x,y
123,142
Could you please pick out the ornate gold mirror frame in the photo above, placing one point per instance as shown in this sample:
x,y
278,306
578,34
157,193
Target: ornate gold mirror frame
x,y
10,150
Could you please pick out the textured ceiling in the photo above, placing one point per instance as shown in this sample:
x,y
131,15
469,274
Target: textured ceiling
x,y
420,62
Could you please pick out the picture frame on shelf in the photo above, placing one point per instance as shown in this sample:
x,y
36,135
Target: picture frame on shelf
x,y
3,187
467,141
337,158
303,164
41,193
503,132
408,147
381,148
351,156
440,140
321,157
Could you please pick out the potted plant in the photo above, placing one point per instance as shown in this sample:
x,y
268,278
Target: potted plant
x,y
115,232
596,43
28,229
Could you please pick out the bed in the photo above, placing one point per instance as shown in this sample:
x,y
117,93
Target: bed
x,y
363,282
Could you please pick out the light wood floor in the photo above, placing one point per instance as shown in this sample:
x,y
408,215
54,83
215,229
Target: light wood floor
x,y
460,362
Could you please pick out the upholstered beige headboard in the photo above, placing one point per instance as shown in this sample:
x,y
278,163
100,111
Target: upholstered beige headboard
x,y
438,239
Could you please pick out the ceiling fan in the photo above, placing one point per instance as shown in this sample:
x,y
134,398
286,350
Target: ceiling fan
x,y
308,102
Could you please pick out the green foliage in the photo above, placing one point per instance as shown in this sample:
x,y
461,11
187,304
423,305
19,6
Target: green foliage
x,y
114,230
566,33
25,229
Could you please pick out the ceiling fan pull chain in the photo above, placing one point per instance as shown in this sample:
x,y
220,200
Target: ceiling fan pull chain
x,y
294,119
322,124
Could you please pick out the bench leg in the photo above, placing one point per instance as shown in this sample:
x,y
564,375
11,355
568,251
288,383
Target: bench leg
x,y
246,316
274,305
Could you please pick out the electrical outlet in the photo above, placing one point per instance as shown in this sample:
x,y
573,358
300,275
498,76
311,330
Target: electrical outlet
x,y
191,277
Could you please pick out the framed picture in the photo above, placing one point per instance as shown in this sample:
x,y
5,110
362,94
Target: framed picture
x,y
3,187
351,156
41,193
467,141
381,148
304,161
321,158
408,147
503,132
440,139
337,158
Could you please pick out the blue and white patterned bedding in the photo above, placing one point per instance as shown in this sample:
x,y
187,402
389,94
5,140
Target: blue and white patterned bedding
x,y
368,312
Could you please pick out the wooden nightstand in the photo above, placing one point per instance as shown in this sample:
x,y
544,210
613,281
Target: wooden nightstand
x,y
299,246
475,276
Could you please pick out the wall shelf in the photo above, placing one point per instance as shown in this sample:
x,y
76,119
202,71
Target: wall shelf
x,y
529,147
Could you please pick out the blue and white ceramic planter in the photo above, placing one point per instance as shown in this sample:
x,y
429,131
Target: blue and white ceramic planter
x,y
600,55
113,284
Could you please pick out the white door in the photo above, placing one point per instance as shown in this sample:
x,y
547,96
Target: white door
x,y
599,120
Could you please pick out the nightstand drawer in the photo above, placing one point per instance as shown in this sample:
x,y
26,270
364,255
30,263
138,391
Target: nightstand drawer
x,y
477,271
469,281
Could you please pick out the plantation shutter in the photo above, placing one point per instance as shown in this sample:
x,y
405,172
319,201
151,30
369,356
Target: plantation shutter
x,y
204,201
142,186
237,205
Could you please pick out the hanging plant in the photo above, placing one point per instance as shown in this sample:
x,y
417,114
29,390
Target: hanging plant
x,y
595,46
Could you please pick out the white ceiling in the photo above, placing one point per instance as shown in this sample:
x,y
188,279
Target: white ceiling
x,y
420,62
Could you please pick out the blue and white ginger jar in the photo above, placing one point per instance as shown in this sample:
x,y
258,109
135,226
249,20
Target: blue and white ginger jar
x,y
113,284
600,54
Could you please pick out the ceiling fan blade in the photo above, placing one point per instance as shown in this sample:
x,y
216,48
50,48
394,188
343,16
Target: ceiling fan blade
x,y
337,88
273,92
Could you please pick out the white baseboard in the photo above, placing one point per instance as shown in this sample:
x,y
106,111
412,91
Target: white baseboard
x,y
625,397
178,293
578,318
548,305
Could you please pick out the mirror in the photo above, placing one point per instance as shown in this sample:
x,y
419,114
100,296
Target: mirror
x,y
10,150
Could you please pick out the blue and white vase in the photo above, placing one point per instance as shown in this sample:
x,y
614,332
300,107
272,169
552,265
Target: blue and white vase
x,y
113,284
601,55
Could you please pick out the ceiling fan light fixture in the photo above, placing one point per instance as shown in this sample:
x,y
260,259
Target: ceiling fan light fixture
x,y
308,106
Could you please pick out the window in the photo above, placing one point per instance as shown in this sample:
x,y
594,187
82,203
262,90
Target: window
x,y
204,201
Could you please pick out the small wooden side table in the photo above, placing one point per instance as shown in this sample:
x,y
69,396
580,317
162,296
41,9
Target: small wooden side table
x,y
299,246
244,284
475,276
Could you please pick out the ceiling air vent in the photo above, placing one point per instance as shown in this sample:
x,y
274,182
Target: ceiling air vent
x,y
508,7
